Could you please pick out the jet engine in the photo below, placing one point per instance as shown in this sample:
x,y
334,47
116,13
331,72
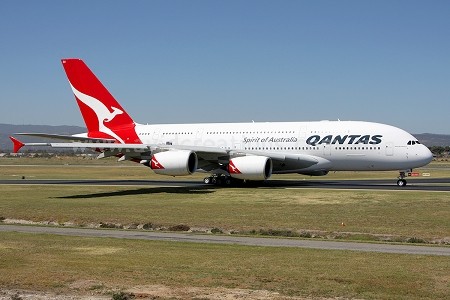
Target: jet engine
x,y
250,167
174,163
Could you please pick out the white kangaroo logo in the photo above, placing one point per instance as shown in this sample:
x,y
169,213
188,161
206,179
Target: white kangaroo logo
x,y
102,112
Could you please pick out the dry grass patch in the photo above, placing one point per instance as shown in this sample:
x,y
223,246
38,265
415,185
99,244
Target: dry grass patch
x,y
97,250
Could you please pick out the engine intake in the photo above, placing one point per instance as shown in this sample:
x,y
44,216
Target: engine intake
x,y
174,163
250,167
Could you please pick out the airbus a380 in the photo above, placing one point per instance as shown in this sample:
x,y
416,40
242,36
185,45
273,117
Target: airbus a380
x,y
233,151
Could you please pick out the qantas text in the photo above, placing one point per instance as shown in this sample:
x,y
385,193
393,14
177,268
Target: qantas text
x,y
344,139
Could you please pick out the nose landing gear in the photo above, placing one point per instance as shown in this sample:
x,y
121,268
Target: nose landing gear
x,y
401,179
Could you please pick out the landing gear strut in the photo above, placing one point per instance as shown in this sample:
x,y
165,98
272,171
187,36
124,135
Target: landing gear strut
x,y
401,179
221,179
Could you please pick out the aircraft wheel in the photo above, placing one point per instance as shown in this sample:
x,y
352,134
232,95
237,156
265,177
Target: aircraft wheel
x,y
401,182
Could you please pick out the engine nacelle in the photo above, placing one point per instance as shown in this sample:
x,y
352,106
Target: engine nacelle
x,y
250,167
174,163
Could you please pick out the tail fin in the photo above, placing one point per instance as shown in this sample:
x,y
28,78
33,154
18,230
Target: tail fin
x,y
103,115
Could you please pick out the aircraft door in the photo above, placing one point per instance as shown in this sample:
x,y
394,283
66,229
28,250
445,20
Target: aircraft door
x,y
407,149
198,140
389,149
156,136
301,135
302,132
326,149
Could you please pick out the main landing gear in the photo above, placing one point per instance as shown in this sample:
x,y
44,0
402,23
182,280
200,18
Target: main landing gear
x,y
221,180
401,179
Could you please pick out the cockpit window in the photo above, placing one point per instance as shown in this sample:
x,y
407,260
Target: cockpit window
x,y
413,142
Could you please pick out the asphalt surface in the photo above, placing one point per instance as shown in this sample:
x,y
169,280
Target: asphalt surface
x,y
226,239
419,184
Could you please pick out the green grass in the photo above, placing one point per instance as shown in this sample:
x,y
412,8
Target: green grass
x,y
45,262
423,215
75,171
53,263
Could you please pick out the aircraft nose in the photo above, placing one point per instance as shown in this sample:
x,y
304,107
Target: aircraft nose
x,y
424,155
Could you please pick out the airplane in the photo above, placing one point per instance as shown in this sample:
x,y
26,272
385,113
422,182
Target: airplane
x,y
232,152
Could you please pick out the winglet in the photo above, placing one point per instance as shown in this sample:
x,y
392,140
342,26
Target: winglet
x,y
17,144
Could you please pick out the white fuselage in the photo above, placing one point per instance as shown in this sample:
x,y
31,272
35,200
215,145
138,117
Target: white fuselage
x,y
337,145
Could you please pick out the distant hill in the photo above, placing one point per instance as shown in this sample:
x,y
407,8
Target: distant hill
x,y
7,130
428,139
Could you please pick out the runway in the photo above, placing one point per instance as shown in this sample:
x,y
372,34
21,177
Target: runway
x,y
231,240
417,184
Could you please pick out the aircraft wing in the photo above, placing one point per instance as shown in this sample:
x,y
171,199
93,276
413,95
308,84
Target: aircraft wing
x,y
77,137
218,153
90,143
132,151
210,158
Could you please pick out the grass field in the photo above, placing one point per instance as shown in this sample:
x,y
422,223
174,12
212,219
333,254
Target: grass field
x,y
44,262
424,215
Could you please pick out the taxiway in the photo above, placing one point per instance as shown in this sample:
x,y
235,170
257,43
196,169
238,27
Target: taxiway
x,y
229,239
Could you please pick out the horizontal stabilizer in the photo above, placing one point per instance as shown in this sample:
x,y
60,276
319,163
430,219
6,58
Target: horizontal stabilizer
x,y
17,144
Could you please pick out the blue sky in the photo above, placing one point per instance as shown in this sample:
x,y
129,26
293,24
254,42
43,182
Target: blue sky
x,y
232,61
